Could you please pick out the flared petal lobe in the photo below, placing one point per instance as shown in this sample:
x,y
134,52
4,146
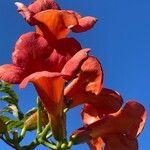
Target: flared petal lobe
x,y
31,51
54,24
120,142
41,5
64,50
85,23
108,101
71,68
11,73
37,6
88,81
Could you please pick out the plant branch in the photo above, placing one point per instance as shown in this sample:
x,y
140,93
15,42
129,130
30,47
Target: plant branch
x,y
39,107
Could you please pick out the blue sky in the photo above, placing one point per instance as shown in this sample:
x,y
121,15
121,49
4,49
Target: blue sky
x,y
120,40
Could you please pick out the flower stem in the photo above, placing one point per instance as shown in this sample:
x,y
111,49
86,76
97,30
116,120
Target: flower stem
x,y
8,137
39,107
47,144
23,132
45,131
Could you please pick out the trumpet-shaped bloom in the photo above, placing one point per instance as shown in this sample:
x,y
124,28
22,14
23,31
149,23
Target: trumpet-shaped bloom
x,y
35,60
114,131
53,23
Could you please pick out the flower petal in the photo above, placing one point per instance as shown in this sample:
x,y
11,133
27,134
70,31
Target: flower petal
x,y
30,52
89,81
72,66
96,144
11,73
108,101
89,114
55,23
37,6
41,5
50,88
85,23
64,49
120,142
26,13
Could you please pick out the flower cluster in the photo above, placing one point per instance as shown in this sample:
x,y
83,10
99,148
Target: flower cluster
x,y
49,59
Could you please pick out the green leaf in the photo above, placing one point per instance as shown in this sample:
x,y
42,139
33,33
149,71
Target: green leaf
x,y
11,108
6,109
14,124
11,93
5,118
3,123
11,124
5,84
7,99
14,110
7,88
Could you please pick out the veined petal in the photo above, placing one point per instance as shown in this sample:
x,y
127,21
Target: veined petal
x,y
85,23
63,51
50,88
89,81
30,52
120,142
72,66
12,74
55,23
41,5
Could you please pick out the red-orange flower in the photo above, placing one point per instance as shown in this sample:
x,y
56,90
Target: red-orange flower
x,y
47,57
114,131
53,23
36,61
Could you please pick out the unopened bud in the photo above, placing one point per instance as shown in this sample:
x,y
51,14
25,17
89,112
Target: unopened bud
x,y
31,122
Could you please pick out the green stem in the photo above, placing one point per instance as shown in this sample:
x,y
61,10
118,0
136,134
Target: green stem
x,y
45,131
8,137
42,137
47,144
16,140
39,107
49,135
23,132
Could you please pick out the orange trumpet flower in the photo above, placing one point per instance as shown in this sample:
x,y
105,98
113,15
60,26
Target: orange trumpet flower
x,y
114,131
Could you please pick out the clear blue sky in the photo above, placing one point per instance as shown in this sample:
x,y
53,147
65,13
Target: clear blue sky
x,y
120,39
